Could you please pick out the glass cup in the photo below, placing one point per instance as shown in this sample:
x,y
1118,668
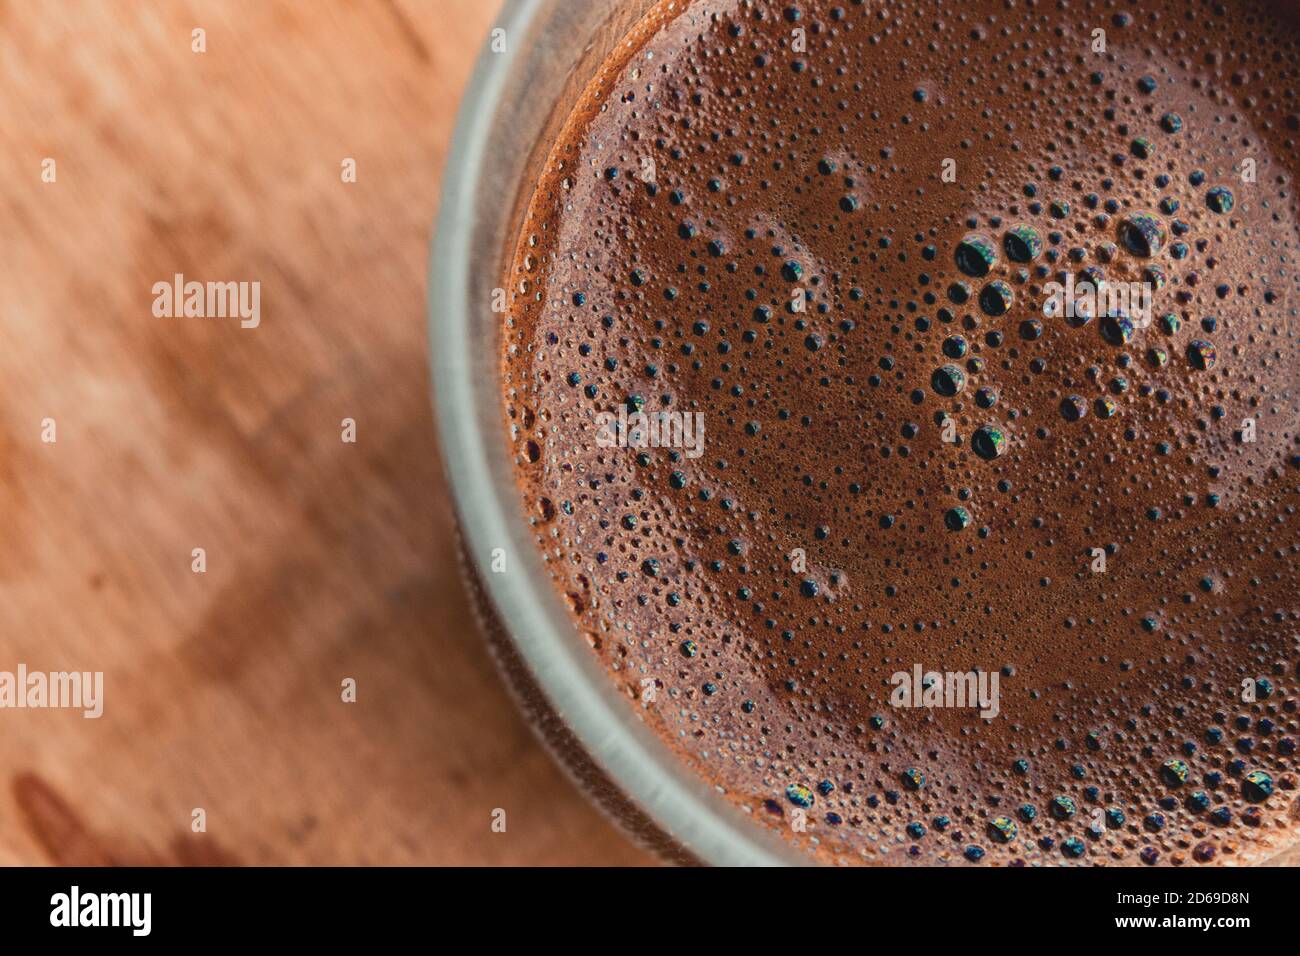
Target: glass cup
x,y
538,59
540,56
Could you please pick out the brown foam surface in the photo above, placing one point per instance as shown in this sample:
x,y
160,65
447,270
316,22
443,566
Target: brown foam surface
x,y
774,215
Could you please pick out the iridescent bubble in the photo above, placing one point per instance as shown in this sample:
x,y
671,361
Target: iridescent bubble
x,y
996,297
1073,408
1117,329
948,380
1143,234
1022,243
799,795
1202,354
1142,148
1257,786
1174,772
1062,807
976,255
989,442
1220,199
1003,829
957,519
1083,310
1092,276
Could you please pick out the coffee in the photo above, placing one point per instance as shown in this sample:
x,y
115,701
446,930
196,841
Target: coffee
x,y
904,397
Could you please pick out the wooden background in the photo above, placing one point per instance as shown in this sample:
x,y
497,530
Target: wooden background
x,y
325,560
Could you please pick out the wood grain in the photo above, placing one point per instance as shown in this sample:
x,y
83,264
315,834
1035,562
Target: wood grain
x,y
325,560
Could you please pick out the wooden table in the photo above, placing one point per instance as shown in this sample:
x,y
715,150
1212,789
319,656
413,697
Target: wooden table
x,y
324,560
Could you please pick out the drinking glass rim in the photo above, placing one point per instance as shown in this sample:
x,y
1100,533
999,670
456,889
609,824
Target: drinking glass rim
x,y
489,513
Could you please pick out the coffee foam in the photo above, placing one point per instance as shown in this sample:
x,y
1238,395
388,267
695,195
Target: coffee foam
x,y
803,222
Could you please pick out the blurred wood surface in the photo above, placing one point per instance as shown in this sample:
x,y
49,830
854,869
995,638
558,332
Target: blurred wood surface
x,y
325,560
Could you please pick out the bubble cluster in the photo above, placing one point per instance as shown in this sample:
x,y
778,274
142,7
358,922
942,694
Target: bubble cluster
x,y
841,253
